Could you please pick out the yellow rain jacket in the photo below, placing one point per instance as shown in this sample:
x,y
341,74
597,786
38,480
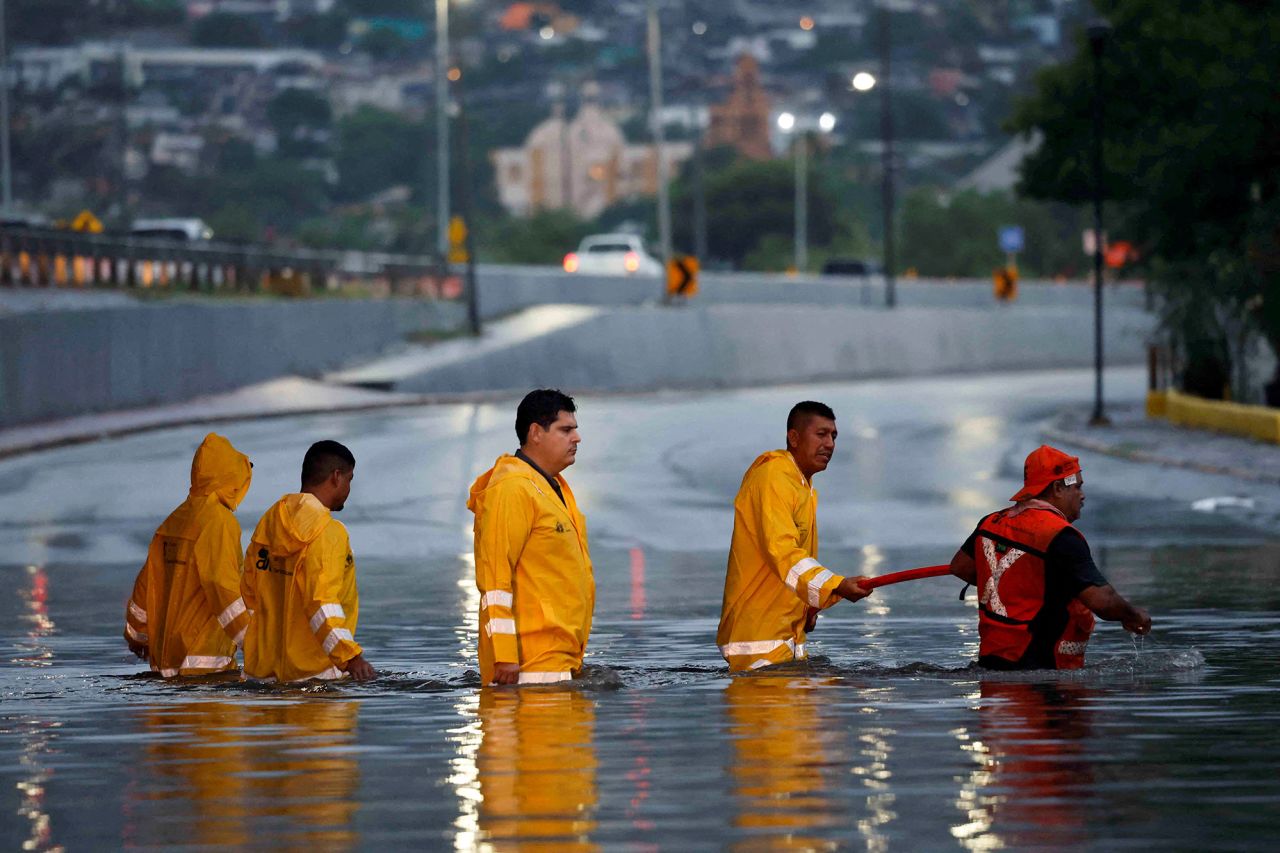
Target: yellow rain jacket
x,y
300,582
533,570
773,574
186,606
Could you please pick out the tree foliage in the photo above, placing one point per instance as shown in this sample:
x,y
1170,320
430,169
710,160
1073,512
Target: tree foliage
x,y
1191,122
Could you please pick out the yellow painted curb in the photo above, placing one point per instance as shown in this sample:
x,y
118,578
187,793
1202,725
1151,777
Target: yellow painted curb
x,y
1260,422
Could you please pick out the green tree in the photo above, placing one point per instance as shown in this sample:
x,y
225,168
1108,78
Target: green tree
x,y
376,149
301,120
1192,118
544,238
749,201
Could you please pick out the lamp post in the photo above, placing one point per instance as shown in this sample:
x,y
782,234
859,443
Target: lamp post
x,y
6,172
655,99
1099,32
787,122
442,129
886,136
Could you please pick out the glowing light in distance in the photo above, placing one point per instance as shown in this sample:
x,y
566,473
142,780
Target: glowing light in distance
x,y
864,81
786,122
826,122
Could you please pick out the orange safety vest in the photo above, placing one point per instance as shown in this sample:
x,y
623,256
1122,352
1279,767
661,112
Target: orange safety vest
x,y
1010,555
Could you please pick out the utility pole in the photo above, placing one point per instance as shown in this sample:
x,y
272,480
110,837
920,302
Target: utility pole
x,y
655,98
6,170
1099,31
442,129
699,199
887,159
802,203
464,202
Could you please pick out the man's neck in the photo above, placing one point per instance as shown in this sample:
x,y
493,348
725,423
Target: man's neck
x,y
808,475
541,465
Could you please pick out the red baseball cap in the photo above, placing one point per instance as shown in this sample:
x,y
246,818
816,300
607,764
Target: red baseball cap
x,y
1044,465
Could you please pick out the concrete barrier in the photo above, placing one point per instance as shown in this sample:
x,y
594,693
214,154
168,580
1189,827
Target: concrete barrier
x,y
62,363
641,348
506,289
1258,422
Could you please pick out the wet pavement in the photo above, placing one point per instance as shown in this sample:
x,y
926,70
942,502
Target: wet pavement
x,y
887,739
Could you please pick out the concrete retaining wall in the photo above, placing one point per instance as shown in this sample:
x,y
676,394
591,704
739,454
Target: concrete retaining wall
x,y
740,345
505,289
63,363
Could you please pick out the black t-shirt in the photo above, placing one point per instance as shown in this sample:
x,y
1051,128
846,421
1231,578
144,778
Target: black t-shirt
x,y
1069,570
555,484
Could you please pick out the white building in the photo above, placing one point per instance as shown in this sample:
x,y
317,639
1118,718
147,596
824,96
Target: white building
x,y
584,165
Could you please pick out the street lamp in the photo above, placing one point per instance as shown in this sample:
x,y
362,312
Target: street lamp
x,y
442,129
1099,31
787,122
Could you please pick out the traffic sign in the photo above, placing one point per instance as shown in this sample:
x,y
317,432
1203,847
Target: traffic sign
x,y
458,241
682,276
1012,239
86,221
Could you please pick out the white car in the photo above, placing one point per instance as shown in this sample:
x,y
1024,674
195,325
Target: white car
x,y
612,254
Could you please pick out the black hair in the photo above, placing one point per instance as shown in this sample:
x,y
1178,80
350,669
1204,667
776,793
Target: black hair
x,y
802,411
322,459
541,406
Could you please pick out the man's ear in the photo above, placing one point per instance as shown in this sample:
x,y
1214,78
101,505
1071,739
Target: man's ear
x,y
793,438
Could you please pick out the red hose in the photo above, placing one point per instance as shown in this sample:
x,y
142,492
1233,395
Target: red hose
x,y
907,575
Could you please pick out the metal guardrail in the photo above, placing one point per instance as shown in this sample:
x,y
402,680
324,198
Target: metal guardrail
x,y
40,257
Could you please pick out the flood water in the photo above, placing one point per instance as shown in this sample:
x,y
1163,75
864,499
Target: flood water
x,y
887,739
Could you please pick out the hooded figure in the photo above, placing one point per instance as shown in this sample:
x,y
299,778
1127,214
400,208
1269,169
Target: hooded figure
x,y
186,616
533,571
300,581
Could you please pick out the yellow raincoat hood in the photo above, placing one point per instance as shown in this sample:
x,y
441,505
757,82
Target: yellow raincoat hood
x,y
507,467
293,523
221,470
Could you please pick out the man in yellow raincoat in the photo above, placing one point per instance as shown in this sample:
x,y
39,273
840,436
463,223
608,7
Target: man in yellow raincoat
x,y
186,616
533,570
300,579
774,586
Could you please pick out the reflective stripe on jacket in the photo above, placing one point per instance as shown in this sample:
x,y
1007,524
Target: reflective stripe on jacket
x,y
773,575
300,582
186,605
533,571
1009,551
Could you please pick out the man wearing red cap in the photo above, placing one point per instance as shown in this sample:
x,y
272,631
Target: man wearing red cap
x,y
1038,587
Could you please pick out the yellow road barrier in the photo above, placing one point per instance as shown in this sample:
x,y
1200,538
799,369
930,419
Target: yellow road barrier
x,y
1260,422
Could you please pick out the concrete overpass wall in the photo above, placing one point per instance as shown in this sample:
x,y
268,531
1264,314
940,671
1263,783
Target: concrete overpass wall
x,y
646,347
505,289
57,364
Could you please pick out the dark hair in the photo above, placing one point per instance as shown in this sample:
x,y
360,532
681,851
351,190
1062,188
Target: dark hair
x,y
541,407
322,459
802,411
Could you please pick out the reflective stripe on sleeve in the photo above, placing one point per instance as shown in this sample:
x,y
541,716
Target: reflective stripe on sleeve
x,y
135,635
1071,648
500,626
544,677
326,611
815,587
137,612
329,674
498,597
793,576
239,640
334,636
233,611
205,662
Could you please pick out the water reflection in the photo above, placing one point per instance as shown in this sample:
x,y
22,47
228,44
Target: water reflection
x,y
783,761
1033,774
229,773
537,768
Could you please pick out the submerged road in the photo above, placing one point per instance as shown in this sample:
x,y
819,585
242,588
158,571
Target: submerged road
x,y
887,740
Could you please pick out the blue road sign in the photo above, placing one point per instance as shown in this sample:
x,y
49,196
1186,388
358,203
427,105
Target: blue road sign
x,y
1011,238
